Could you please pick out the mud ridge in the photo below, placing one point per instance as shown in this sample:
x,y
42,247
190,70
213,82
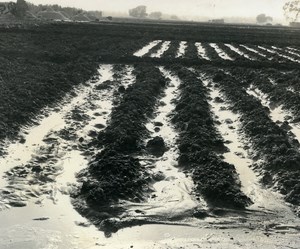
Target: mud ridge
x,y
201,146
271,143
115,173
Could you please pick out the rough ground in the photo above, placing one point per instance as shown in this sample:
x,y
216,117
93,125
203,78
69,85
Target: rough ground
x,y
156,146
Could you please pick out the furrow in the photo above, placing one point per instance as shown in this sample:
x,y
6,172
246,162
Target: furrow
x,y
279,158
238,51
182,49
200,146
164,47
253,51
222,54
146,49
172,51
201,51
172,198
115,174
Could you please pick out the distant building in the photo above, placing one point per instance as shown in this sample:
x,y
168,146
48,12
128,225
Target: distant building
x,y
220,21
295,24
6,8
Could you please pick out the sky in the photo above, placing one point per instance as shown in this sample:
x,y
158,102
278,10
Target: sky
x,y
207,8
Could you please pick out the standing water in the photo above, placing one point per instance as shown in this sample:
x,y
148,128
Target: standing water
x,y
264,200
146,49
220,52
181,49
45,217
173,192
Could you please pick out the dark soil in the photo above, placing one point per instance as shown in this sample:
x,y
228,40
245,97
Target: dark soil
x,y
271,142
201,146
114,174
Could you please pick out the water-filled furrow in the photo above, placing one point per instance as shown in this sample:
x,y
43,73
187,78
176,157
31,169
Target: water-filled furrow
x,y
264,200
271,145
220,52
172,197
254,51
272,51
54,152
164,47
47,176
277,114
181,49
201,145
238,51
201,51
287,50
146,49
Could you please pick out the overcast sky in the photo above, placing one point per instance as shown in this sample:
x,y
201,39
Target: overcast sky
x,y
211,8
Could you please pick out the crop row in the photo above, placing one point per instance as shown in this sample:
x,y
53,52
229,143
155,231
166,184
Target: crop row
x,y
154,49
259,53
271,143
281,89
172,50
201,146
114,173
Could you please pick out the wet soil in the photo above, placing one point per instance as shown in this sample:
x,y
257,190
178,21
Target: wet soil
x,y
153,154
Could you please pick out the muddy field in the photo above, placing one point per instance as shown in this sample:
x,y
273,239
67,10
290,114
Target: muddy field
x,y
149,136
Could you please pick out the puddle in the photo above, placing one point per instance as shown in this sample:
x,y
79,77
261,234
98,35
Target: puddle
x,y
164,48
201,51
233,48
146,49
182,49
220,52
178,237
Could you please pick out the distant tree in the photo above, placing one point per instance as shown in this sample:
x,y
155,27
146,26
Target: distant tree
x,y
21,8
291,10
155,15
138,12
263,18
174,17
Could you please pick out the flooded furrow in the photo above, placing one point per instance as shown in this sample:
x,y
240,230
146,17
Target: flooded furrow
x,y
172,197
277,114
287,50
201,51
233,48
279,54
181,49
164,47
41,183
229,128
146,49
220,52
293,49
268,206
253,50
